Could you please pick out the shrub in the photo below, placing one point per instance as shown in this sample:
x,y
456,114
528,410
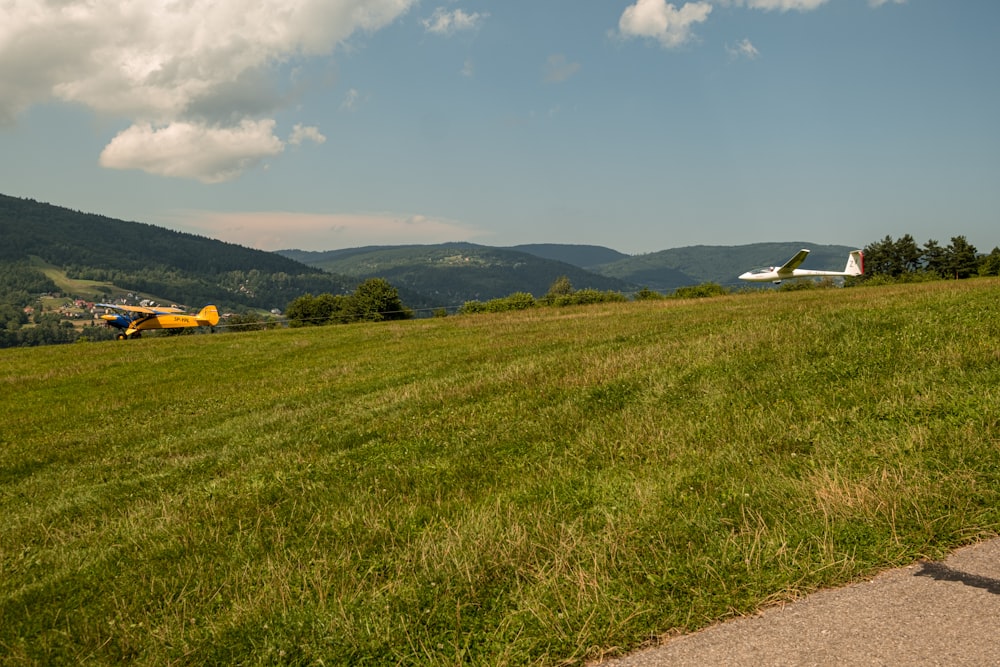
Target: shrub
x,y
587,296
472,307
646,294
700,291
515,301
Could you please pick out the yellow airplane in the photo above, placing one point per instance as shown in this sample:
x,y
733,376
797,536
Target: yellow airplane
x,y
131,321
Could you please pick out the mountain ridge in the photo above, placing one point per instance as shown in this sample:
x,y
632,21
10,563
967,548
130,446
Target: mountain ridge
x,y
663,270
194,269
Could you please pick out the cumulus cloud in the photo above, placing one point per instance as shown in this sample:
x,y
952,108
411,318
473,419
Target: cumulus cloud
x,y
301,133
353,99
779,5
656,19
744,49
177,69
443,22
558,68
785,5
190,150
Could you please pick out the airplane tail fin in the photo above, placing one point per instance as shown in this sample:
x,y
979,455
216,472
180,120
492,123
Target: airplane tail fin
x,y
855,264
208,317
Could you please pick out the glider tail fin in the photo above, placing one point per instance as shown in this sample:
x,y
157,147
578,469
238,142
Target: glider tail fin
x,y
855,264
208,317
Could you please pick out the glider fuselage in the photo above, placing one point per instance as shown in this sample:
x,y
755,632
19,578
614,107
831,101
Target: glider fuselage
x,y
789,270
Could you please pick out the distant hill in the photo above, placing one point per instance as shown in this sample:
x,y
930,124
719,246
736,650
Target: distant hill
x,y
584,256
132,256
453,273
113,255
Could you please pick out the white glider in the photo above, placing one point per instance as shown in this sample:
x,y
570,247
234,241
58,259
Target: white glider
x,y
855,267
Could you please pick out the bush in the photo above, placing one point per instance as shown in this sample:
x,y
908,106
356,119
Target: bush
x,y
646,294
248,322
586,297
798,285
515,301
472,307
701,291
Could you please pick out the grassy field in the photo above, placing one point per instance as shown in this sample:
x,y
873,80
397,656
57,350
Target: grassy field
x,y
543,487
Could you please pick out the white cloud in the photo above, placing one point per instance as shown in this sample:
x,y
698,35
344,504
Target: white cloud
x,y
181,66
190,150
468,68
879,3
745,49
785,5
443,22
779,5
302,133
352,100
558,68
661,21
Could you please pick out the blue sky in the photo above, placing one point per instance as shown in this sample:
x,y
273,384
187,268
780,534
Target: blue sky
x,y
635,124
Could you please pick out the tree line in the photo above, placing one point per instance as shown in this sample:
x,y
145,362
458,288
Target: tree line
x,y
902,258
374,300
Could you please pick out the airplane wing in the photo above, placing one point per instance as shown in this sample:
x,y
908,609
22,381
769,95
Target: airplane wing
x,y
113,306
140,309
794,262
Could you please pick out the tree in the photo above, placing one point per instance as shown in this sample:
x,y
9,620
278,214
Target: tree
x,y
560,289
961,258
934,258
990,264
375,300
332,308
301,311
906,255
879,257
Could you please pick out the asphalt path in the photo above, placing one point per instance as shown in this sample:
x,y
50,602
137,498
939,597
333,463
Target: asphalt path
x,y
928,613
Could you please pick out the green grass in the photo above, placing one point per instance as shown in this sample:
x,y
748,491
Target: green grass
x,y
539,487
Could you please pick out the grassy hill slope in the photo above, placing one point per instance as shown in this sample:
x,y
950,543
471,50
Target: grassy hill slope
x,y
526,488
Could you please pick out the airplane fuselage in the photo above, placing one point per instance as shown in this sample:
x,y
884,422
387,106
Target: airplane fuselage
x,y
131,320
772,275
789,270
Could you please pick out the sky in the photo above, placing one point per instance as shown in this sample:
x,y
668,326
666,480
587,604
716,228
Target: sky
x,y
640,125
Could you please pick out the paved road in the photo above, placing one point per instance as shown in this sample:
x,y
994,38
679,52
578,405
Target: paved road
x,y
926,614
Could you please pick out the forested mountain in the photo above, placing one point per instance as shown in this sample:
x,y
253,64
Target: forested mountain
x,y
464,271
184,268
452,273
584,256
